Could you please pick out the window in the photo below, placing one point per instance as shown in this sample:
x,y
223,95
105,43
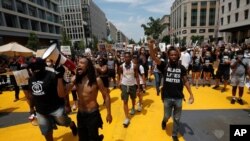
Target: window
x,y
213,4
194,17
221,21
228,19
246,14
210,30
43,27
203,17
203,4
247,1
49,17
236,17
202,30
11,20
1,20
211,16
57,30
238,3
41,14
34,25
24,23
47,4
40,2
229,6
21,7
51,29
7,4
193,31
222,9
32,11
55,7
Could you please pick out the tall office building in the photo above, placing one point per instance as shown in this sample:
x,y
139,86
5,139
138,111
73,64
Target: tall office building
x,y
20,17
72,19
112,31
95,19
194,17
165,20
121,37
235,20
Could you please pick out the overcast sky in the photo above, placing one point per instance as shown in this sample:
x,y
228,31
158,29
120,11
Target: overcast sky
x,y
128,15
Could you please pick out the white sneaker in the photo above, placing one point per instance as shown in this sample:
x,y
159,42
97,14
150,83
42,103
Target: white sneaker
x,y
31,117
126,122
139,107
132,111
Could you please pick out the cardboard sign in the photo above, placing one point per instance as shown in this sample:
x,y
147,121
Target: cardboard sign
x,y
66,50
21,76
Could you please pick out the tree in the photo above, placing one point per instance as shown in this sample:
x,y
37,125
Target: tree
x,y
140,42
166,39
197,38
153,28
33,41
131,41
65,39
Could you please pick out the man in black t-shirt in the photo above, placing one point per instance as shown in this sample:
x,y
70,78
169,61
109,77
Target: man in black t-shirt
x,y
174,76
47,93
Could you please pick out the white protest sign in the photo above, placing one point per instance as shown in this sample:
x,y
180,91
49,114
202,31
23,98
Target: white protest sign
x,y
66,50
162,46
21,76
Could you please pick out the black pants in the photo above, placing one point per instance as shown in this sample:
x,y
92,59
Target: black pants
x,y
16,88
88,124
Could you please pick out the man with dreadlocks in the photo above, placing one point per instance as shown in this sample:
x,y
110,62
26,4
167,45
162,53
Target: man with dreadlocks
x,y
87,86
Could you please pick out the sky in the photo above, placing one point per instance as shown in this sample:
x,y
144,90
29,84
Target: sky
x,y
128,15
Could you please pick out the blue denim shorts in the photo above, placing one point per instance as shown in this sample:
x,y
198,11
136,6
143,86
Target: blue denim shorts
x,y
47,122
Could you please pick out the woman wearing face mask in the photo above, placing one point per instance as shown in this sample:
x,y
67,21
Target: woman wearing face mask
x,y
240,69
196,67
207,68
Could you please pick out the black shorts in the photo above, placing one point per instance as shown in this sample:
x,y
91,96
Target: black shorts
x,y
208,68
111,73
88,124
196,69
223,73
25,87
105,81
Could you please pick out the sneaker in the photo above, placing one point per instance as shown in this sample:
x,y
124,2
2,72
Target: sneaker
x,y
233,100
175,138
126,122
132,111
139,107
73,128
163,125
31,117
216,86
240,101
223,90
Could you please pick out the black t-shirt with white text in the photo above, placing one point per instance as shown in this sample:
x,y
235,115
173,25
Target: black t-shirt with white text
x,y
172,80
44,92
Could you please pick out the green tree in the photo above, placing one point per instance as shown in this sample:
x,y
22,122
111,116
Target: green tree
x,y
65,39
166,39
140,42
94,43
33,41
153,28
131,41
197,38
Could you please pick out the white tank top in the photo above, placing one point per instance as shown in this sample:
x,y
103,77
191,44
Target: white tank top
x,y
128,76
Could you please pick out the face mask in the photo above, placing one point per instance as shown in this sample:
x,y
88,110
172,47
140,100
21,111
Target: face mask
x,y
48,63
110,57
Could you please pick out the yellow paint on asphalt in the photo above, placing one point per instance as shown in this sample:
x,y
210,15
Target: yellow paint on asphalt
x,y
144,126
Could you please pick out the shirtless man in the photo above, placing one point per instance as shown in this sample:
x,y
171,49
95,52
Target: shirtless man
x,y
88,116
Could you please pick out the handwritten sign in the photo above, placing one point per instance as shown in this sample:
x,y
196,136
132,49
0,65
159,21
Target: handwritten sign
x,y
66,50
21,76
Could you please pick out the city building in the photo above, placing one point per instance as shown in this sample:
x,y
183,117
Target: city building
x,y
112,32
96,20
165,20
194,18
234,20
121,37
72,19
18,18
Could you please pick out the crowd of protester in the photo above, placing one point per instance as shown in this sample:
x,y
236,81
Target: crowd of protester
x,y
204,65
